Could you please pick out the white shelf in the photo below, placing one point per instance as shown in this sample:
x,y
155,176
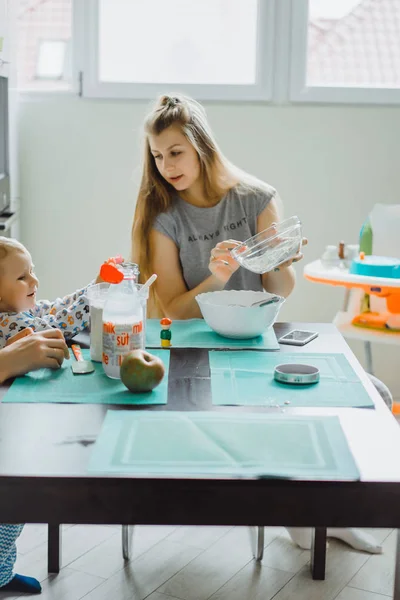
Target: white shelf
x,y
339,276
349,331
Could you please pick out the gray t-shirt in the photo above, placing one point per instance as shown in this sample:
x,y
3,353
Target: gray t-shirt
x,y
196,231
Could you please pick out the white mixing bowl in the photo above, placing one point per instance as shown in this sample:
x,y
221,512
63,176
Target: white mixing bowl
x,y
221,312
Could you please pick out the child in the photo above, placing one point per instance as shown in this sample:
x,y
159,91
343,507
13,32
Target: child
x,y
192,201
10,582
43,349
19,308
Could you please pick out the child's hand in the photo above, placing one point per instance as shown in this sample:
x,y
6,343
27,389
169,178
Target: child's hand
x,y
114,260
19,335
222,264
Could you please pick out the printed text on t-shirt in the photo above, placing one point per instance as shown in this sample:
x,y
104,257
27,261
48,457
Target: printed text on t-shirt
x,y
210,236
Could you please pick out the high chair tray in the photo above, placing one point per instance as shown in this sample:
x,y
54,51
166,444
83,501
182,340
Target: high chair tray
x,y
316,271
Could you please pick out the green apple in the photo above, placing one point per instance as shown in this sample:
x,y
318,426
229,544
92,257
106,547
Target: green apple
x,y
141,371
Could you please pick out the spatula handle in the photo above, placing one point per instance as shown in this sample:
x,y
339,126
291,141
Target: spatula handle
x,y
77,352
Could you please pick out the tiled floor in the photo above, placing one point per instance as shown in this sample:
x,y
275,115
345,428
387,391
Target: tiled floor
x,y
192,563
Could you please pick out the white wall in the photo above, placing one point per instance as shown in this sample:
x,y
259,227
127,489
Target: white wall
x,y
79,168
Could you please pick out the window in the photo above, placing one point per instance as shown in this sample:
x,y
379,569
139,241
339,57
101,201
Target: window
x,y
51,59
328,51
346,51
214,49
43,34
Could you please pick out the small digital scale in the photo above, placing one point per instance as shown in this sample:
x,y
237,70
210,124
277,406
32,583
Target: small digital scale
x,y
296,374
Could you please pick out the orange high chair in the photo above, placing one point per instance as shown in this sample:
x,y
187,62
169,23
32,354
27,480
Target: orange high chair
x,y
359,280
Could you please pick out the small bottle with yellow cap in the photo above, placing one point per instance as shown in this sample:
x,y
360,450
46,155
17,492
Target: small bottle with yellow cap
x,y
165,333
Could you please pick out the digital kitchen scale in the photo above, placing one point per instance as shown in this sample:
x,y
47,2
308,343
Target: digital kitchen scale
x,y
296,374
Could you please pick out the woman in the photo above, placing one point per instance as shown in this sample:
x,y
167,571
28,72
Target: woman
x,y
26,351
192,201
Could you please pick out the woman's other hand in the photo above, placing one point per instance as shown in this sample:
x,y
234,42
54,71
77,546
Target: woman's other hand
x,y
222,264
295,258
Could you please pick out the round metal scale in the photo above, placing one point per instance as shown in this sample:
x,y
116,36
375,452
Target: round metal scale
x,y
296,374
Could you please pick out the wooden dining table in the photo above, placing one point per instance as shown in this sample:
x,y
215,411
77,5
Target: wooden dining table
x,y
45,450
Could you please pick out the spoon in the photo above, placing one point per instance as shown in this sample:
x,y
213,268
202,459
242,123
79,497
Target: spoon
x,y
148,283
259,302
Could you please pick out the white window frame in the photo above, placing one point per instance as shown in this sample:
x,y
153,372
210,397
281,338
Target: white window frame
x,y
91,87
300,92
281,66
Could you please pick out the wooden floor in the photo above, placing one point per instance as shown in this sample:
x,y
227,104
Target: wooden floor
x,y
192,563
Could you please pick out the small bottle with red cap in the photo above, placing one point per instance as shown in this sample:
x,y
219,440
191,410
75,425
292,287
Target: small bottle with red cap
x,y
165,333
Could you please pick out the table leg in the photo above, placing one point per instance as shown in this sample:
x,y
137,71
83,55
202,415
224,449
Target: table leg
x,y
368,357
127,531
396,591
318,553
260,543
346,300
54,548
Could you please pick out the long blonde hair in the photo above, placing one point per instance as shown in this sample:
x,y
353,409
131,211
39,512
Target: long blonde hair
x,y
155,194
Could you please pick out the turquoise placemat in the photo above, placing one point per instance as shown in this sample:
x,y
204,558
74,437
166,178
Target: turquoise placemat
x,y
247,378
223,444
62,385
195,333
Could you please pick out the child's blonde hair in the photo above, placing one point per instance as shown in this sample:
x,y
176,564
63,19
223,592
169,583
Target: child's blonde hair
x,y
9,245
155,195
